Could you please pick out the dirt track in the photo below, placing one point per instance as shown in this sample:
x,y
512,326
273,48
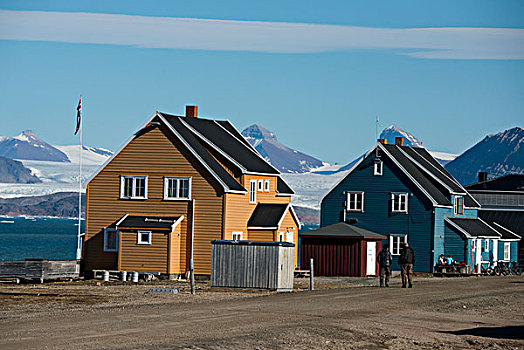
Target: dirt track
x,y
466,313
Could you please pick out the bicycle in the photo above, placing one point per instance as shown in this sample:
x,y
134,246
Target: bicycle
x,y
515,269
502,268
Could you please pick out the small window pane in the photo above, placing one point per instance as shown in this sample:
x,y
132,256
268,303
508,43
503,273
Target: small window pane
x,y
128,187
184,188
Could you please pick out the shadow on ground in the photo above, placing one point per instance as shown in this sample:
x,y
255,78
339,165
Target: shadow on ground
x,y
509,332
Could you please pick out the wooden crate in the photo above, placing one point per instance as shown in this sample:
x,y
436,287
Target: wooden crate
x,y
40,269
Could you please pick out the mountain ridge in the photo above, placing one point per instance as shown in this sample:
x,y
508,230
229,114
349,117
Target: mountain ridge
x,y
285,159
498,154
28,146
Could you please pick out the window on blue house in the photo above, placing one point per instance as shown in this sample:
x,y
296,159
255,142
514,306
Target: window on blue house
x,y
459,205
377,167
396,242
507,250
399,202
355,201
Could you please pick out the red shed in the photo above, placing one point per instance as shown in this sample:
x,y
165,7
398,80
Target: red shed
x,y
341,250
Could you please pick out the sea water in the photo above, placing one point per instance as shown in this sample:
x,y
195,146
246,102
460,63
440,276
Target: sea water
x,y
47,238
38,238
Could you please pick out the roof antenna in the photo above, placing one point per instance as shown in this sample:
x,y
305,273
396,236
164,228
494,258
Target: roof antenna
x,y
377,129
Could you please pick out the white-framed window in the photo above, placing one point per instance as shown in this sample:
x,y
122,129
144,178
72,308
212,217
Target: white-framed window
x,y
396,242
507,251
252,191
399,202
266,185
260,185
110,240
377,168
177,188
486,245
355,201
236,235
133,187
459,205
285,237
143,237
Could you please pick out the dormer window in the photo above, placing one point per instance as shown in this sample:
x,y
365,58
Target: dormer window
x,y
377,167
459,205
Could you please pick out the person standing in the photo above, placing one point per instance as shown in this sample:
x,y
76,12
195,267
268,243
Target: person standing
x,y
384,262
406,261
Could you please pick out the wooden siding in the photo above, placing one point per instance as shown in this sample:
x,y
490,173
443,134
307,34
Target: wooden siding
x,y
175,265
144,257
261,235
377,216
454,244
333,256
290,225
154,153
239,209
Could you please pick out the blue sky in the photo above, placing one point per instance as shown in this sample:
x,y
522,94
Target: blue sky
x,y
315,73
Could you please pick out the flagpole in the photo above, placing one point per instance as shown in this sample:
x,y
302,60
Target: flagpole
x,y
79,235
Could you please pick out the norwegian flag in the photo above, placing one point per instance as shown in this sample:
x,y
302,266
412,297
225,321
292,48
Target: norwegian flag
x,y
78,115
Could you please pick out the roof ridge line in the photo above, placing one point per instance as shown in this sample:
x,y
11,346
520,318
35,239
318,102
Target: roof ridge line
x,y
218,149
426,170
433,200
249,148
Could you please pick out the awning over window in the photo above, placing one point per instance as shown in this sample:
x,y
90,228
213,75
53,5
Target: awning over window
x,y
473,228
149,222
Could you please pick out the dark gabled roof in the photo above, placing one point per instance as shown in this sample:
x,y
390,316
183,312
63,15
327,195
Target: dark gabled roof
x,y
283,188
199,148
505,232
418,175
512,182
229,127
232,146
267,215
512,220
426,160
152,222
342,230
472,227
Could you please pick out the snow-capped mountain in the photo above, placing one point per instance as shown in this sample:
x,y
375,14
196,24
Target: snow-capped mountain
x,y
285,159
29,146
56,175
393,131
497,154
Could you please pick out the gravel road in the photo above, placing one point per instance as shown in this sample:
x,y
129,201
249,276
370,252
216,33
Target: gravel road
x,y
438,313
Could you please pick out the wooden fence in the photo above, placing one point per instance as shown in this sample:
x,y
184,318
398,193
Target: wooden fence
x,y
252,264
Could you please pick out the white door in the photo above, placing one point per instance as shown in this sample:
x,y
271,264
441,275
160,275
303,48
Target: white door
x,y
371,256
478,254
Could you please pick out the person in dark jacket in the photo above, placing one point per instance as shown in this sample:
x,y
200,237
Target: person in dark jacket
x,y
406,261
384,262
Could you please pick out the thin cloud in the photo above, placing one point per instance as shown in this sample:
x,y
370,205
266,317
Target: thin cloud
x,y
253,36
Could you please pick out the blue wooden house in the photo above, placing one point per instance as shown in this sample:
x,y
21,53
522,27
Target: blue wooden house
x,y
502,206
406,195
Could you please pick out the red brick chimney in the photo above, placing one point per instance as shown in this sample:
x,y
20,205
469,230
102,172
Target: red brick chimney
x,y
192,111
399,141
383,141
